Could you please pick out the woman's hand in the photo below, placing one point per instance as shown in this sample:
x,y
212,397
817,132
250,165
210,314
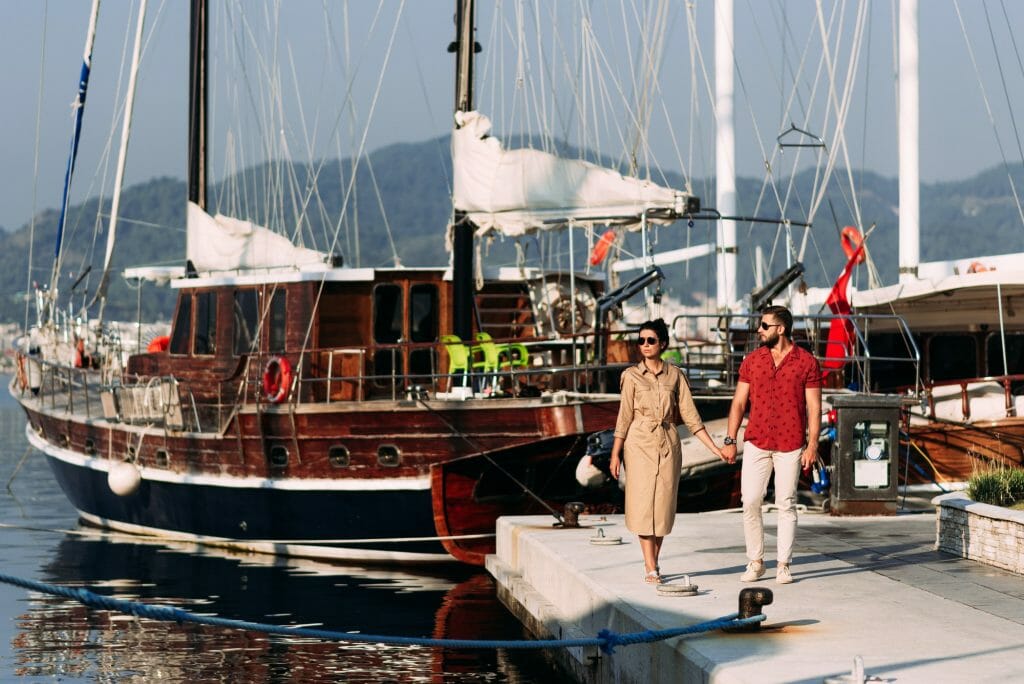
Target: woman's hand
x,y
615,465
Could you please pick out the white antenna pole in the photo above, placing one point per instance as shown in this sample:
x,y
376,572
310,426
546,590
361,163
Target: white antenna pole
x,y
909,116
725,154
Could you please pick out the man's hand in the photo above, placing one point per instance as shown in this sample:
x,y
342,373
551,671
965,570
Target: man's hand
x,y
729,453
808,457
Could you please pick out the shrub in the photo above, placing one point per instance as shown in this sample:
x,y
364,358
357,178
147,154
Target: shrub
x,y
1000,487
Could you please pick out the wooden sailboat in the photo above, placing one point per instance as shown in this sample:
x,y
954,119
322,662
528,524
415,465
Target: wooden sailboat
x,y
303,407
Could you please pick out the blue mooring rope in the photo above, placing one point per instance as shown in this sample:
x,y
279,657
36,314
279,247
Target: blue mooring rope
x,y
606,639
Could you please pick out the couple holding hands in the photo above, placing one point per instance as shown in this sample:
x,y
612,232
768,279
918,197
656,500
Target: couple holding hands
x,y
781,383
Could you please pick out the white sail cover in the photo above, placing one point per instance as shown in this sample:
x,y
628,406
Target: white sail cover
x,y
222,243
519,191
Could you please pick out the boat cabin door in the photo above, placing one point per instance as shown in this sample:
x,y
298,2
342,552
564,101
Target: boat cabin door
x,y
406,320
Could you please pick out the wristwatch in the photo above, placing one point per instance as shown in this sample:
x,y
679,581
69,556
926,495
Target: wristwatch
x,y
728,441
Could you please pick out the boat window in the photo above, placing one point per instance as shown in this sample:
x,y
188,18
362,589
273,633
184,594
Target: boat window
x,y
278,316
246,321
423,325
205,339
182,331
387,314
423,313
952,357
1014,354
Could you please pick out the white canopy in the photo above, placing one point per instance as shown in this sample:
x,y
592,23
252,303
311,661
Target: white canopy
x,y
520,191
222,243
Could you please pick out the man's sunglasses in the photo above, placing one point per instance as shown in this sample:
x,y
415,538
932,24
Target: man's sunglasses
x,y
765,326
647,340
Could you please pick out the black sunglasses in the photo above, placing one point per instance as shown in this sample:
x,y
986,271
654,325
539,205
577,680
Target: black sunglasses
x,y
647,340
765,326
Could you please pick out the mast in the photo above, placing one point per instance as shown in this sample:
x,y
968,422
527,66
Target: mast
x,y
198,40
909,182
462,250
79,107
725,155
122,157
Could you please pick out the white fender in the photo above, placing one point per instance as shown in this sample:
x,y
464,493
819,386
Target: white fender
x,y
124,478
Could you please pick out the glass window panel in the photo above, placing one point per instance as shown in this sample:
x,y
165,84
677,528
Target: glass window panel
x,y
246,321
952,357
278,320
182,331
204,342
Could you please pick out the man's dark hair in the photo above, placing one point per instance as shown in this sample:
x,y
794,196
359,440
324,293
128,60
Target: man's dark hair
x,y
658,326
783,315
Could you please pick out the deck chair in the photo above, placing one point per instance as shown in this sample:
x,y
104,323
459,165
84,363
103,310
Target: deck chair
x,y
486,357
458,358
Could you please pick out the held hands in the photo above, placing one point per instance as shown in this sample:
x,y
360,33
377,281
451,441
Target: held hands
x,y
728,453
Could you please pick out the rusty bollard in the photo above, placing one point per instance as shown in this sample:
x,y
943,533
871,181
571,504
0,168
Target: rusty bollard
x,y
571,514
752,599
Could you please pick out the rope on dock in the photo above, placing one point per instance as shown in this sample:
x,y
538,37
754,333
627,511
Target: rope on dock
x,y
606,639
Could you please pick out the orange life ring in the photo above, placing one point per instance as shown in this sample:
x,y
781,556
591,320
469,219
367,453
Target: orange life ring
x,y
978,267
851,240
277,379
159,344
601,248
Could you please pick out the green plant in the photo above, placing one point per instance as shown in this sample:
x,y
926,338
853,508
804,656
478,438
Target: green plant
x,y
999,487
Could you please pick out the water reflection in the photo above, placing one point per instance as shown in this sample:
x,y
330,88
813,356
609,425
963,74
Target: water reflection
x,y
60,638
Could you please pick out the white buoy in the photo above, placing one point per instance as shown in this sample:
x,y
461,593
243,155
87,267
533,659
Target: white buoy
x,y
124,478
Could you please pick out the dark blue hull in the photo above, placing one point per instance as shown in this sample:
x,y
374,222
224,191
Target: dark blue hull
x,y
288,521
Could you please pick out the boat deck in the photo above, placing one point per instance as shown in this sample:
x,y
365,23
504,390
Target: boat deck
x,y
873,587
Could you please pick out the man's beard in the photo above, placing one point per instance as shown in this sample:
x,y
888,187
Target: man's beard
x,y
770,342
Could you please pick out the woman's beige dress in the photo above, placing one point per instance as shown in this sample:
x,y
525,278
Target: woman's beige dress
x,y
650,408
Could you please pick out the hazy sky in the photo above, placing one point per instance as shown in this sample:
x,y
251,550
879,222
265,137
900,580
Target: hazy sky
x,y
41,44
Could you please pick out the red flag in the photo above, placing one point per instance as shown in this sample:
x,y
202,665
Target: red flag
x,y
840,331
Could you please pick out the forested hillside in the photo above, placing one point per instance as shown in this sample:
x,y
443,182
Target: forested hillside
x,y
411,182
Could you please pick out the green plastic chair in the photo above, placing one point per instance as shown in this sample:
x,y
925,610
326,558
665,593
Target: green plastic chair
x,y
458,357
515,355
672,356
486,357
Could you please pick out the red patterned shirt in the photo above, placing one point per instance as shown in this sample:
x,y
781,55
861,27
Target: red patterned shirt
x,y
778,403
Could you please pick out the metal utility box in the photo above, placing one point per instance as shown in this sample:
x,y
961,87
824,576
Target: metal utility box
x,y
865,454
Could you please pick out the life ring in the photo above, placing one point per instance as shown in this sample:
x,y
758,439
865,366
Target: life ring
x,y
601,248
851,240
277,379
159,344
978,267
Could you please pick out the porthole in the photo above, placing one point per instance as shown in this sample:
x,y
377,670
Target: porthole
x,y
162,458
278,456
64,441
338,456
388,455
90,446
131,454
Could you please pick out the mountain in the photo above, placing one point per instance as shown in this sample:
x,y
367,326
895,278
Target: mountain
x,y
411,181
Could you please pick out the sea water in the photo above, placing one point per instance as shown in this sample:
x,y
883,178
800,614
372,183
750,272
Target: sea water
x,y
48,638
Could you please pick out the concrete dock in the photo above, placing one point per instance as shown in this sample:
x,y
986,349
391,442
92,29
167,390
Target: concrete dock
x,y
873,587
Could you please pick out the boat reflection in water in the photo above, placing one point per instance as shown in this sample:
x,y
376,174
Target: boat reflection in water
x,y
59,638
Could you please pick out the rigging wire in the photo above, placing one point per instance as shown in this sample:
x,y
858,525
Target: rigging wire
x,y
35,166
988,109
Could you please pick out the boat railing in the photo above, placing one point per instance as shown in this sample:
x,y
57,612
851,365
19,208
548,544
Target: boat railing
x,y
710,347
991,395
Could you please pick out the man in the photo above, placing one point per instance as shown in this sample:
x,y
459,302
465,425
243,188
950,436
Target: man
x,y
783,385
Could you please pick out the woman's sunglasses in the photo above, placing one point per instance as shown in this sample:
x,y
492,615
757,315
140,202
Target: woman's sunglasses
x,y
647,340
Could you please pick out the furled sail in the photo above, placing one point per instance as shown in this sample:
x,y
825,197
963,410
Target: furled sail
x,y
520,191
222,243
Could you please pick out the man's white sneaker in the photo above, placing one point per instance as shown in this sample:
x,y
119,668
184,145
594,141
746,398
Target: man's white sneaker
x,y
754,571
782,575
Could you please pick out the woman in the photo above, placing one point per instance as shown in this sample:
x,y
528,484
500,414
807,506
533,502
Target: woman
x,y
655,395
